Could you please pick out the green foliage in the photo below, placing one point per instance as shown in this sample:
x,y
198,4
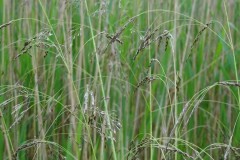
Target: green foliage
x,y
81,79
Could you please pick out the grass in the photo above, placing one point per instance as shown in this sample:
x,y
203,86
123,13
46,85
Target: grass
x,y
119,79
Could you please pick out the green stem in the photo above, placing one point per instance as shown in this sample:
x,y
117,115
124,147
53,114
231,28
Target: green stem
x,y
101,81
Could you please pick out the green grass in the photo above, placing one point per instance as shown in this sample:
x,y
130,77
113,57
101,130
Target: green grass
x,y
119,79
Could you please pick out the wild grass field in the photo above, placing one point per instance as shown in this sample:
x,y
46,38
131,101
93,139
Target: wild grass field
x,y
119,79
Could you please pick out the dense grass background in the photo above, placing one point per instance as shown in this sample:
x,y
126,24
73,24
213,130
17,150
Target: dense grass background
x,y
70,89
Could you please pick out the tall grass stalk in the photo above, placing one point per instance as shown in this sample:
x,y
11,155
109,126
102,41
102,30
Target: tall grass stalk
x,y
236,75
101,81
150,85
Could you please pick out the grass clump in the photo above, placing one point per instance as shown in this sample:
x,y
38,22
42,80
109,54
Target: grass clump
x,y
88,90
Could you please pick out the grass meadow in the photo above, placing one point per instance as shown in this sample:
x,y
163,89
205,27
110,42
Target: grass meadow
x,y
119,79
